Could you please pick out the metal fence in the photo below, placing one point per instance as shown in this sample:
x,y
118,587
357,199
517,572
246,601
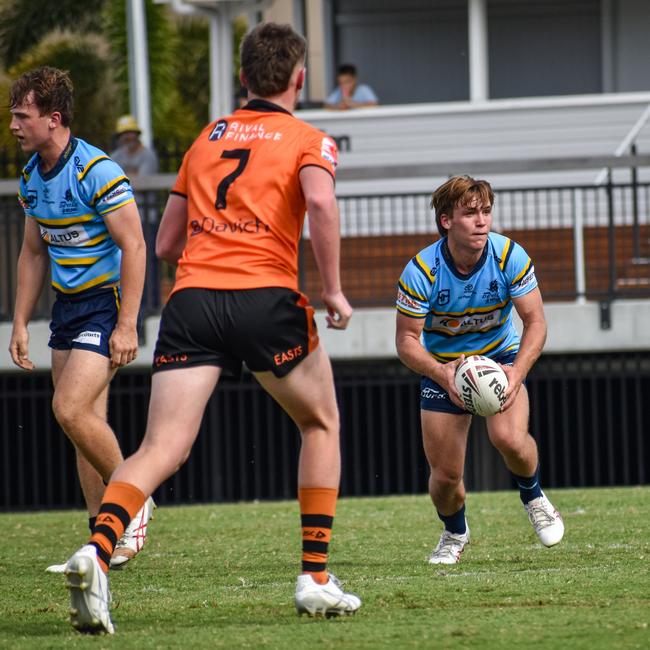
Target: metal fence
x,y
588,414
170,155
590,241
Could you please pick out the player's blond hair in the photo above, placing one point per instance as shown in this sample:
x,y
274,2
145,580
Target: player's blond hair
x,y
459,191
269,55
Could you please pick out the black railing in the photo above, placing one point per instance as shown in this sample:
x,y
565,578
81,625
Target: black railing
x,y
587,414
589,241
170,155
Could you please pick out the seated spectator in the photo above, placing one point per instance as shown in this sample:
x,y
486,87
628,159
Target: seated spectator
x,y
131,154
349,93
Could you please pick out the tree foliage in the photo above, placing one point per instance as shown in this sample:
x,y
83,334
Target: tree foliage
x,y
23,24
89,39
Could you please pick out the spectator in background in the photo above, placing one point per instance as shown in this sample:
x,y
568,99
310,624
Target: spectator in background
x,y
349,93
131,154
136,159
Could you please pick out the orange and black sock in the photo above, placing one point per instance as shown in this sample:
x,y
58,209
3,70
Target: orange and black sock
x,y
120,504
317,508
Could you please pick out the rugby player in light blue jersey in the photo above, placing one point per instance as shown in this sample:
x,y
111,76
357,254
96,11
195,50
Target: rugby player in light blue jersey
x,y
455,299
81,221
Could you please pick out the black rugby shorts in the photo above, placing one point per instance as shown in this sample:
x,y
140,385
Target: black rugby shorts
x,y
269,329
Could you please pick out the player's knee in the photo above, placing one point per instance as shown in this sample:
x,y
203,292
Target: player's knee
x,y
510,442
67,414
446,479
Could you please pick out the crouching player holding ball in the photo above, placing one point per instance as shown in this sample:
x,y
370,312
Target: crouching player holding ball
x,y
459,293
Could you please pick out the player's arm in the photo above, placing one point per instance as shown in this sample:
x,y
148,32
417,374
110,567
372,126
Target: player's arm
x,y
530,309
172,233
412,354
324,230
32,270
125,228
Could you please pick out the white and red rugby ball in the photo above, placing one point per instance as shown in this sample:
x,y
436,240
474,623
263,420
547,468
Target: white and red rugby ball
x,y
482,385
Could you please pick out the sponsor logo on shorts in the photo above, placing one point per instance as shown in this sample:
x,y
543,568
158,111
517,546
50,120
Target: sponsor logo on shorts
x,y
163,359
432,393
89,338
287,355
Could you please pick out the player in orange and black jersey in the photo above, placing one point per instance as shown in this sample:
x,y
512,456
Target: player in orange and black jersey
x,y
233,223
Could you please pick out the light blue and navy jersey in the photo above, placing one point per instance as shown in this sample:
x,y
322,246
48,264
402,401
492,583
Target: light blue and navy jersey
x,y
69,203
467,314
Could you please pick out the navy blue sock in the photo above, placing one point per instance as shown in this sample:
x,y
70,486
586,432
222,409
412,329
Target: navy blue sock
x,y
455,523
529,487
91,523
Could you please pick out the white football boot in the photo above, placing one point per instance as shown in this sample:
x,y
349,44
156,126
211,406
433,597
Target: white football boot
x,y
546,520
324,600
450,547
134,537
57,568
89,595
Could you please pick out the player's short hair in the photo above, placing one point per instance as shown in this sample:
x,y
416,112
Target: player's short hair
x,y
347,68
269,55
52,90
459,190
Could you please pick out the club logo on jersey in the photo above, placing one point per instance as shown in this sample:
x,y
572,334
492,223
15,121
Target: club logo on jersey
x,y
28,201
68,205
328,151
492,294
443,297
219,130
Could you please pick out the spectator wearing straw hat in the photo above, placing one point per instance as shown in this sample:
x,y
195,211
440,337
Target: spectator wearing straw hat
x,y
131,154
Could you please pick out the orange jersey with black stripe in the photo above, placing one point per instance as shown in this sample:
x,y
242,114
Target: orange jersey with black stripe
x,y
245,203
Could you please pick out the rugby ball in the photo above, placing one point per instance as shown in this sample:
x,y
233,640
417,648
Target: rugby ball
x,y
482,385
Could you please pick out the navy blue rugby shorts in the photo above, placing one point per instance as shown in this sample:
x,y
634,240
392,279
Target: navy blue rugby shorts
x,y
433,397
85,321
268,329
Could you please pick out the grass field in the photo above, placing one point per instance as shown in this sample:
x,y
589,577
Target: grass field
x,y
222,576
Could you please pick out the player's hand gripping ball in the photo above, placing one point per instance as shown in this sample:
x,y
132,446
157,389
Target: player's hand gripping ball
x,y
482,385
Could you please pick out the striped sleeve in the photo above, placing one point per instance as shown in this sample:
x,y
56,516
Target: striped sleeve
x,y
414,289
105,186
520,271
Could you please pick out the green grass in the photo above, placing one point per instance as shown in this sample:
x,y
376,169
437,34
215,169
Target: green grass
x,y
222,576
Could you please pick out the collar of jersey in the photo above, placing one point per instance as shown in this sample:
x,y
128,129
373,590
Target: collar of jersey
x,y
452,266
63,159
262,106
